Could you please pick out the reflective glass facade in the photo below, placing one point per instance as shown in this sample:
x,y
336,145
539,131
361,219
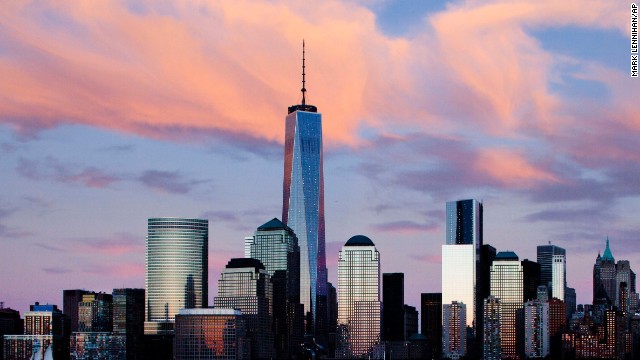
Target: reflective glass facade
x,y
545,255
303,204
506,285
458,274
98,346
176,269
358,283
213,333
128,319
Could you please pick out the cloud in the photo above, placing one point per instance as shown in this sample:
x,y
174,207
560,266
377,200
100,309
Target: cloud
x,y
405,227
52,169
168,181
49,247
56,270
429,259
118,244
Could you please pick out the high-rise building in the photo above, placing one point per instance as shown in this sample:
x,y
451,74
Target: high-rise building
x,y
95,314
506,285
212,333
454,330
431,321
276,246
43,335
245,285
462,259
410,321
176,270
70,301
530,279
536,329
128,319
10,324
545,255
558,276
570,301
303,205
604,275
393,309
624,274
98,346
358,298
491,349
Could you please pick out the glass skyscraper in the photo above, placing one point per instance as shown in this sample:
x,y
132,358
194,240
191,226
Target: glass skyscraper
x,y
545,254
359,304
303,205
176,270
506,285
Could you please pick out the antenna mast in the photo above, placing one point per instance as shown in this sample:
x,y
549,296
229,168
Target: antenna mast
x,y
304,90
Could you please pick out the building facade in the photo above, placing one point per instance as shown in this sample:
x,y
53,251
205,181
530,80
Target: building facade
x,y
98,346
176,270
558,276
212,333
275,245
245,285
358,298
545,255
128,319
95,314
431,321
454,330
604,276
491,348
506,285
536,329
393,300
43,336
303,205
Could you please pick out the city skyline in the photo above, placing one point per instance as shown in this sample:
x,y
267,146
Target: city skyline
x,y
544,133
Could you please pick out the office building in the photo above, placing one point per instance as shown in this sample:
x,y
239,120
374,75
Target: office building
x,y
431,321
506,285
545,255
536,329
358,298
176,270
276,246
43,336
530,279
558,276
245,285
604,275
98,346
10,324
624,274
491,348
303,205
70,301
454,330
462,258
128,319
95,314
570,300
212,333
393,309
410,321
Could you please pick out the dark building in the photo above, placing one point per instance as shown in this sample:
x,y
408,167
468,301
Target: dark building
x,y
43,335
10,324
545,259
332,311
70,301
557,325
393,306
276,246
483,290
95,313
604,275
431,321
530,279
245,285
128,319
410,321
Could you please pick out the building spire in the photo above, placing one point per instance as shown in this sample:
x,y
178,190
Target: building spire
x,y
304,90
607,252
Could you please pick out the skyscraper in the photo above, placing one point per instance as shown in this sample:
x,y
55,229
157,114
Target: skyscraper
x,y
462,256
43,335
176,270
393,300
624,274
558,276
604,275
303,205
545,255
245,285
454,331
359,304
128,319
506,285
536,329
95,314
276,246
431,320
491,349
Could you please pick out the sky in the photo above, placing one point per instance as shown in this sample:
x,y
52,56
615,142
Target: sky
x,y
112,112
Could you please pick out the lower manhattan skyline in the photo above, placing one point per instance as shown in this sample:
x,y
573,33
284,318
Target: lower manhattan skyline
x,y
114,113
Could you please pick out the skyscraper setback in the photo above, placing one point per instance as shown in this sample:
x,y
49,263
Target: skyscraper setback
x,y
303,204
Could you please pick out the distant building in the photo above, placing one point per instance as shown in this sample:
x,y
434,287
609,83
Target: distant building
x,y
98,346
545,255
491,349
454,330
530,279
128,319
212,333
43,336
176,270
95,314
506,285
359,307
536,329
276,246
10,324
431,321
604,276
70,301
624,274
245,285
393,309
558,276
410,321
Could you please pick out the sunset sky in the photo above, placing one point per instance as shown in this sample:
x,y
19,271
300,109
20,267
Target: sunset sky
x,y
112,112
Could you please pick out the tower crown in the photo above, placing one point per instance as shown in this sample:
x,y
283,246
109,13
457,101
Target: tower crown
x,y
303,106
607,252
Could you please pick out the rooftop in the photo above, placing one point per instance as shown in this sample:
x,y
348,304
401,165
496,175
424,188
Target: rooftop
x,y
359,240
274,224
238,263
506,255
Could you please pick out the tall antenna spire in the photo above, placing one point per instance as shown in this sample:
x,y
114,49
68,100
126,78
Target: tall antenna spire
x,y
304,90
